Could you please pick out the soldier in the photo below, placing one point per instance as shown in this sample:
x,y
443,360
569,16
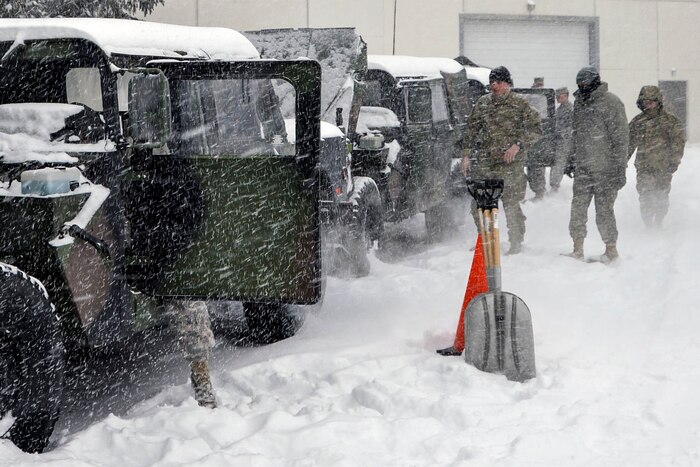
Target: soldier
x,y
501,128
564,130
599,160
659,139
190,320
538,82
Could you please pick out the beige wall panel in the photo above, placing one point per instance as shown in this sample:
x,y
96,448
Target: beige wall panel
x,y
678,35
245,15
428,28
628,35
175,12
542,7
372,19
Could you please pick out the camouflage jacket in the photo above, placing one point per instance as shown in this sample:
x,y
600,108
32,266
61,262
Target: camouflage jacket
x,y
659,138
601,137
495,124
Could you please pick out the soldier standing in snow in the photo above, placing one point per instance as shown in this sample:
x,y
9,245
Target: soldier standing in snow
x,y
659,139
195,339
501,128
599,160
564,129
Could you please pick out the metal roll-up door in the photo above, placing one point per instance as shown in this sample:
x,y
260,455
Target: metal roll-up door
x,y
528,47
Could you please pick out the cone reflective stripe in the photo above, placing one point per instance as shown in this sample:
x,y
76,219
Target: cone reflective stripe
x,y
477,283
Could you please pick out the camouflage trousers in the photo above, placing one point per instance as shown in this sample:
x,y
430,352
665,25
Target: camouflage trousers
x,y
653,197
585,190
190,320
514,187
557,172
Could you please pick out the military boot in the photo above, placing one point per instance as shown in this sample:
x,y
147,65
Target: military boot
x,y
611,252
578,249
515,248
201,383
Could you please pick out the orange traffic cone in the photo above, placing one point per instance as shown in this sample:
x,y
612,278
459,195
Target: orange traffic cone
x,y
478,283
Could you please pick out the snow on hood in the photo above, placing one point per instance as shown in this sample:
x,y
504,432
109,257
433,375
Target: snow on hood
x,y
405,66
327,130
376,117
131,37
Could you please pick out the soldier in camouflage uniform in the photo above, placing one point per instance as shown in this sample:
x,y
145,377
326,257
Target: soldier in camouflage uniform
x,y
501,128
599,160
190,320
564,122
659,139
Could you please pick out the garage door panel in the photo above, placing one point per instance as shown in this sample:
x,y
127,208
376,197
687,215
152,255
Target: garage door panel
x,y
529,48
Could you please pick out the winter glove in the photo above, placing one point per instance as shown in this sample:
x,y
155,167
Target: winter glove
x,y
570,169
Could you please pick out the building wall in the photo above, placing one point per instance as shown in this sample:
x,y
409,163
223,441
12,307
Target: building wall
x,y
641,41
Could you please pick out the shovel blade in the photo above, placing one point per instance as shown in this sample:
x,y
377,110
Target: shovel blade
x,y
498,335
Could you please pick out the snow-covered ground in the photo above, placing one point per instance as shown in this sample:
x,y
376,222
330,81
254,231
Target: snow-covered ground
x,y
361,385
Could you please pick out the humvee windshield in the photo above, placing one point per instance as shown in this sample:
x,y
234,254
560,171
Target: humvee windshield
x,y
235,116
426,104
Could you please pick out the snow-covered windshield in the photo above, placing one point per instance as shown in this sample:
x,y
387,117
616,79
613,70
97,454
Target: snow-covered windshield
x,y
231,117
49,131
51,101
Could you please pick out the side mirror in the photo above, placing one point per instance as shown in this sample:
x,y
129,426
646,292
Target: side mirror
x,y
149,108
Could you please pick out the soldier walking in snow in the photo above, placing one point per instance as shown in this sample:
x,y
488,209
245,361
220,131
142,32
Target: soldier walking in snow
x,y
501,129
564,129
659,139
599,160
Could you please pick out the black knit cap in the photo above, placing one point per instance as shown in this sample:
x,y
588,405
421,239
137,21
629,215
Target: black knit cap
x,y
500,73
587,75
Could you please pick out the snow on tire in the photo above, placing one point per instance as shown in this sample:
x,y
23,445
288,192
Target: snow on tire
x,y
31,360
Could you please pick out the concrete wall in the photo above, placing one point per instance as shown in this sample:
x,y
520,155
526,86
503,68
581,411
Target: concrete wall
x,y
641,41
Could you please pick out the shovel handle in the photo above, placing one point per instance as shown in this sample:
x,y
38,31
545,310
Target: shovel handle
x,y
495,239
485,220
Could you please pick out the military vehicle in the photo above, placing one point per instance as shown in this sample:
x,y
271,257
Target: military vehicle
x,y
142,163
419,106
351,204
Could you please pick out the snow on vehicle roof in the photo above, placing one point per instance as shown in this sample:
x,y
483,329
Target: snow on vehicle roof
x,y
480,74
405,66
131,37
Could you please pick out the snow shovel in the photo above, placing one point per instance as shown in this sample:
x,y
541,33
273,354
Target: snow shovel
x,y
498,325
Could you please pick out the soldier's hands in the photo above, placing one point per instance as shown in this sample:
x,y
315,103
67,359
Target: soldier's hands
x,y
466,166
569,169
510,154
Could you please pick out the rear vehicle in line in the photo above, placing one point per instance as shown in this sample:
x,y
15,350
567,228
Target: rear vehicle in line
x,y
420,106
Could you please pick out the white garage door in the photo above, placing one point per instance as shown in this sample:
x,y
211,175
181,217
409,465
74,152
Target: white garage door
x,y
529,48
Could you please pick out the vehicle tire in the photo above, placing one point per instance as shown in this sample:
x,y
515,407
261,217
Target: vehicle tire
x,y
367,226
269,322
31,360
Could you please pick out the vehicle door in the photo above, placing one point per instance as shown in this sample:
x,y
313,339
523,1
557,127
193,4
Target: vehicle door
x,y
542,100
231,209
430,133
